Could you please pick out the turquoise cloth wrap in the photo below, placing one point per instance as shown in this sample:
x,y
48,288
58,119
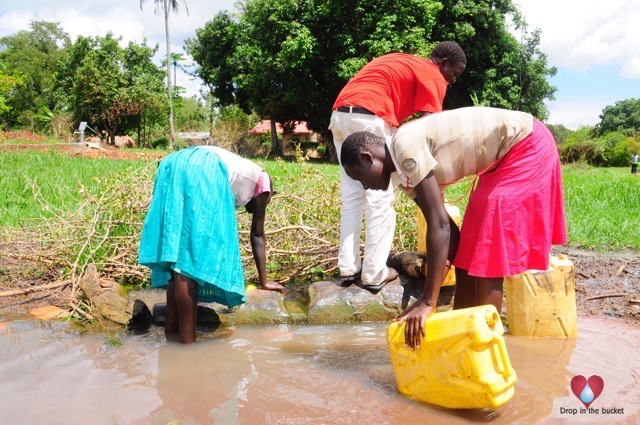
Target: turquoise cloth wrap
x,y
191,227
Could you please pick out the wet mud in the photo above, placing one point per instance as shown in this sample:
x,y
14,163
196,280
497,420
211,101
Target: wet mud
x,y
339,374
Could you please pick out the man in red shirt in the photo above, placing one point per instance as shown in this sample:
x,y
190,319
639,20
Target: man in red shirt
x,y
377,99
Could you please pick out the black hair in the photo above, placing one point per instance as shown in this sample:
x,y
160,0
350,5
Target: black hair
x,y
352,145
450,50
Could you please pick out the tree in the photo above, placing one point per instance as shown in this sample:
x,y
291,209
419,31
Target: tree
x,y
581,146
8,85
115,89
624,115
191,115
212,49
167,6
33,54
501,70
560,133
288,59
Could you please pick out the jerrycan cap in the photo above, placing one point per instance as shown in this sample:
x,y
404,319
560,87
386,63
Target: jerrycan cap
x,y
492,318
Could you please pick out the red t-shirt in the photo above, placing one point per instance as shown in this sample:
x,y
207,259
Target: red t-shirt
x,y
395,86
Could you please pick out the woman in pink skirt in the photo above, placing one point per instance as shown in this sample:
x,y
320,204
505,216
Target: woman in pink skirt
x,y
513,216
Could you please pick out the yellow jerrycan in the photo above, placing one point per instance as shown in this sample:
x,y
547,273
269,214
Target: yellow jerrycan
x,y
454,212
542,303
461,364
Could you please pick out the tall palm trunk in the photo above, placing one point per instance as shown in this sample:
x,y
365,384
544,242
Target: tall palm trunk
x,y
166,6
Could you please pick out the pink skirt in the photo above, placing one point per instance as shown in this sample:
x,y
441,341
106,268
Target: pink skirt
x,y
516,212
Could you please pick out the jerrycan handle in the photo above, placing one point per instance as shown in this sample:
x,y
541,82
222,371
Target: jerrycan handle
x,y
504,358
492,318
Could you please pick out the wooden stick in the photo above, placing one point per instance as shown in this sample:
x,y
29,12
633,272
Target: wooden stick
x,y
82,313
620,270
605,296
34,289
282,229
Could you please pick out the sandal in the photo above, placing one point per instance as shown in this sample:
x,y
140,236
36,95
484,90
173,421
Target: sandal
x,y
350,280
391,276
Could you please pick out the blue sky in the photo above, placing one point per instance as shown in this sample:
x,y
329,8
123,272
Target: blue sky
x,y
593,43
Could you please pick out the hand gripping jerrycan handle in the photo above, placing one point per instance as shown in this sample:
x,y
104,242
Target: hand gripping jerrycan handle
x,y
462,364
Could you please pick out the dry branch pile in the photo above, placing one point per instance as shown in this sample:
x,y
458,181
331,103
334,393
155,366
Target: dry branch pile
x,y
302,229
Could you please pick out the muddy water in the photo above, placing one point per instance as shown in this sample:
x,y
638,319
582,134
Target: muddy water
x,y
51,374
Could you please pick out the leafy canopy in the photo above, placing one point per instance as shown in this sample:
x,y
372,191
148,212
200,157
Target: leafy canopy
x,y
33,54
288,59
111,87
624,115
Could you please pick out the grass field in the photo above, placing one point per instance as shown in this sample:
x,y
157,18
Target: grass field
x,y
37,184
602,204
602,207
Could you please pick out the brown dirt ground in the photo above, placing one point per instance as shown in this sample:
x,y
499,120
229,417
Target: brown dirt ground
x,y
24,136
607,283
79,149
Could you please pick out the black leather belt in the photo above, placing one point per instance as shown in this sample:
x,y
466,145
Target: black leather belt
x,y
354,110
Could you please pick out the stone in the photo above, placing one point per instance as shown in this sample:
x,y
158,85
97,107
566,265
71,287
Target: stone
x,y
329,302
205,316
297,310
49,312
108,300
141,317
124,142
262,308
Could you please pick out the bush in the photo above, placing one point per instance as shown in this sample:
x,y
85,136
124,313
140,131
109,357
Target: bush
x,y
580,146
322,150
180,144
621,147
160,143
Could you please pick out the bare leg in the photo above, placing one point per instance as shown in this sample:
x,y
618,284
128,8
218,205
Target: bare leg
x,y
171,326
489,291
465,295
186,297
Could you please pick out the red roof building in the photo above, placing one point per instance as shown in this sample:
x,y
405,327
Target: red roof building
x,y
264,126
300,135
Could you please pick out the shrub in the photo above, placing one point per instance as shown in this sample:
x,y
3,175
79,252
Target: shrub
x,y
161,142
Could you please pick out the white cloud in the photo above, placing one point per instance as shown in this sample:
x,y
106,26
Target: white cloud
x,y
124,18
14,21
631,69
578,34
575,114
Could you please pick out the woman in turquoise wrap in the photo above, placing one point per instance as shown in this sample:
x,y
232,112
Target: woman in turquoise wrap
x,y
190,234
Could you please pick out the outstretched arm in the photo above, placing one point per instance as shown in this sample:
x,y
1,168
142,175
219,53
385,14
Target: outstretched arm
x,y
257,236
429,199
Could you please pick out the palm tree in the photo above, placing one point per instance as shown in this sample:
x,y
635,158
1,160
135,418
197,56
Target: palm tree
x,y
167,6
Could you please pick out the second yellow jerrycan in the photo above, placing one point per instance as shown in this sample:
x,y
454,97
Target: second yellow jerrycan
x,y
461,364
454,213
542,303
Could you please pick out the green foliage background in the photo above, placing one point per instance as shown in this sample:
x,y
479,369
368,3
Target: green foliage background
x,y
288,59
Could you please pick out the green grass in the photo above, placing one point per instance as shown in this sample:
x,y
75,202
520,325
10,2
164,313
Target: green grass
x,y
59,179
602,207
281,170
602,204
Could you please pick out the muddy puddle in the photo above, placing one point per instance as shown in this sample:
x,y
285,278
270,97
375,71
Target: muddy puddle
x,y
52,374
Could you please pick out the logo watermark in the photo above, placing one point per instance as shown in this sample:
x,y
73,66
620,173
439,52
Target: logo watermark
x,y
587,391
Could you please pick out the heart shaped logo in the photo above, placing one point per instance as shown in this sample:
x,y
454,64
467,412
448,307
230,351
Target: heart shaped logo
x,y
587,390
